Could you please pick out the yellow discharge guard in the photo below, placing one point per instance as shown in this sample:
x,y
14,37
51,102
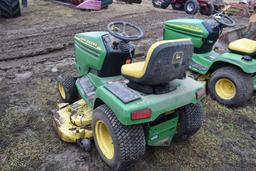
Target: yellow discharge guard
x,y
73,121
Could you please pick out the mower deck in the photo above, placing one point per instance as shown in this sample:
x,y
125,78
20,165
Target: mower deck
x,y
72,122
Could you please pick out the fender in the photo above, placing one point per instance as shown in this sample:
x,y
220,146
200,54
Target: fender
x,y
185,93
121,110
234,59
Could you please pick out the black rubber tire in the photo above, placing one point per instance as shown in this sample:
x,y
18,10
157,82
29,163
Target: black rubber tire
x,y
129,141
190,121
194,4
242,81
178,6
70,89
207,10
158,4
10,8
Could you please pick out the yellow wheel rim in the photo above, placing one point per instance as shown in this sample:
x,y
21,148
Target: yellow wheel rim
x,y
225,89
104,139
62,91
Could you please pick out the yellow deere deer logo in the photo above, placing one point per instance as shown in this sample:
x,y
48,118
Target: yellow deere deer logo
x,y
177,58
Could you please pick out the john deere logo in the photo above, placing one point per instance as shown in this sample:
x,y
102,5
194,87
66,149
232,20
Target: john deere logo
x,y
189,27
88,42
177,58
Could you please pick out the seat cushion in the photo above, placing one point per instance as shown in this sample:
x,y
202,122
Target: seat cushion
x,y
134,69
243,46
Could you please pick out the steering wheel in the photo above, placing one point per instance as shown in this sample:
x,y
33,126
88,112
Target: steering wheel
x,y
224,20
122,33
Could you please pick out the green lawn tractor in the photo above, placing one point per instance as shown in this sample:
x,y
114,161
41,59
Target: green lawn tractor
x,y
125,106
230,76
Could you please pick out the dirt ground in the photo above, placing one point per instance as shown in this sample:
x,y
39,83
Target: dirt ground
x,y
38,46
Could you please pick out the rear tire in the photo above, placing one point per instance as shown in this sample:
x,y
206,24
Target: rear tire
x,y
67,89
178,6
161,3
10,8
191,7
190,121
207,10
239,90
117,144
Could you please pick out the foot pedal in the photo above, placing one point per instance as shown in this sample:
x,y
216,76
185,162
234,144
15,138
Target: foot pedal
x,y
88,89
198,66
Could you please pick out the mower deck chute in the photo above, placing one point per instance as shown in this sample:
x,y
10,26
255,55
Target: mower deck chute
x,y
72,122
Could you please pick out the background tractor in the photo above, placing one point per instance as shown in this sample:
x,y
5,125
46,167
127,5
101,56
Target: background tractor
x,y
189,6
230,76
126,106
11,8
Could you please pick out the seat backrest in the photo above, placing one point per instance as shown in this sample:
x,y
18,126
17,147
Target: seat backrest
x,y
166,60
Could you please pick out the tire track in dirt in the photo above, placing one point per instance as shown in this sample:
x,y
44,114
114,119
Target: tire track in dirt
x,y
20,44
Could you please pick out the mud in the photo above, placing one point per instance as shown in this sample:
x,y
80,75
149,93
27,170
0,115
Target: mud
x,y
37,47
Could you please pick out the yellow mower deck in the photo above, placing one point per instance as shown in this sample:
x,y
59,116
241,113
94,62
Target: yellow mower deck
x,y
73,121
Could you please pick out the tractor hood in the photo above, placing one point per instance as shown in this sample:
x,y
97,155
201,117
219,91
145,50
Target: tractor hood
x,y
90,38
193,27
203,33
89,51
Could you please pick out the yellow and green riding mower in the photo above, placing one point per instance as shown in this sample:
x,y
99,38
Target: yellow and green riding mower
x,y
125,106
230,76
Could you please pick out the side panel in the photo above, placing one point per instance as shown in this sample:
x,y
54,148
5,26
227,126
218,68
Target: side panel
x,y
185,28
170,34
201,63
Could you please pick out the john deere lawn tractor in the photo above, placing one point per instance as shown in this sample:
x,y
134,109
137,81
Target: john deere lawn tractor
x,y
125,106
230,76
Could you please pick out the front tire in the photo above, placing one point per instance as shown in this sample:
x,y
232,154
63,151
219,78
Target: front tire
x,y
230,86
190,121
191,7
10,8
117,144
67,89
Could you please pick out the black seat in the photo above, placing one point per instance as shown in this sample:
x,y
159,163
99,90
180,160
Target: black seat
x,y
166,60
